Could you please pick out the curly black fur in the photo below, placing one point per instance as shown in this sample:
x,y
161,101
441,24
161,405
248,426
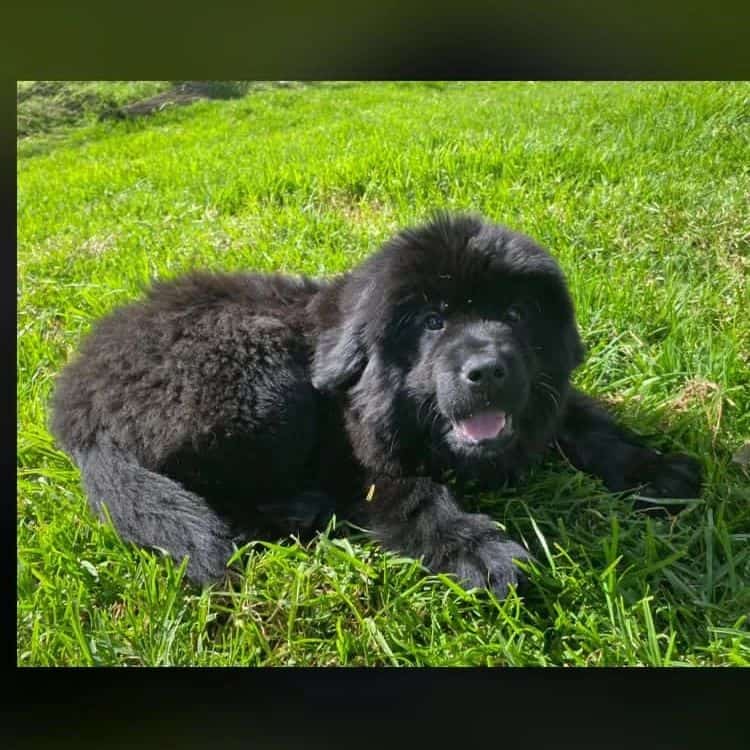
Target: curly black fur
x,y
224,407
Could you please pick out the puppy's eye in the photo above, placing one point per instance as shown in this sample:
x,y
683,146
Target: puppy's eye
x,y
434,322
514,314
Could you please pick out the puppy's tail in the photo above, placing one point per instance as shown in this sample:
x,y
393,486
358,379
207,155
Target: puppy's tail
x,y
154,511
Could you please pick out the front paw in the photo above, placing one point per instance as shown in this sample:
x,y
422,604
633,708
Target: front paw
x,y
669,476
490,565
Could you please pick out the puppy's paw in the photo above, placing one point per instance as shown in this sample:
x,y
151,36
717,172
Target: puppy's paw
x,y
669,476
301,515
491,565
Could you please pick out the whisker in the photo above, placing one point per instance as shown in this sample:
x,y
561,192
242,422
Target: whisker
x,y
542,386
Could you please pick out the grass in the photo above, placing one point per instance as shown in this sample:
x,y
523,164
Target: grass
x,y
642,192
48,106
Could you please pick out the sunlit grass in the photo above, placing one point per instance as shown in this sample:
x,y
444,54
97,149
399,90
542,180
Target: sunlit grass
x,y
641,190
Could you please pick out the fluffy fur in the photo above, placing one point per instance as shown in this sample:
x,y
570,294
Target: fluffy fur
x,y
225,407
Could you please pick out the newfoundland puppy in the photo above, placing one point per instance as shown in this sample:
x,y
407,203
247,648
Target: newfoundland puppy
x,y
227,407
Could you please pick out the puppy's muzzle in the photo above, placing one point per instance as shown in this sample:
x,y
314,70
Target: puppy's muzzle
x,y
485,374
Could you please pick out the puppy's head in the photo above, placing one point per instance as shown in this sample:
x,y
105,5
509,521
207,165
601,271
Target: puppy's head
x,y
458,331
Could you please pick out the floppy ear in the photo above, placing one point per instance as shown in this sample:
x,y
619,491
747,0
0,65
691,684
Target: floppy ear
x,y
574,347
339,356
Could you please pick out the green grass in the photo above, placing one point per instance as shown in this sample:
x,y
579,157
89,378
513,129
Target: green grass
x,y
641,190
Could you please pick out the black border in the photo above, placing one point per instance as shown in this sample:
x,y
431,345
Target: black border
x,y
671,708
296,39
8,323
226,708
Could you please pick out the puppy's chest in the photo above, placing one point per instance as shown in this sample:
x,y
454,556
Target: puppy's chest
x,y
483,477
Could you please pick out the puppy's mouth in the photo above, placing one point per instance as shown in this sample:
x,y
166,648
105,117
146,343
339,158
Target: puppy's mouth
x,y
484,427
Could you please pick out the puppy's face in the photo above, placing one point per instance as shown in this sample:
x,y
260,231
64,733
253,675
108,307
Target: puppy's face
x,y
467,329
481,362
472,368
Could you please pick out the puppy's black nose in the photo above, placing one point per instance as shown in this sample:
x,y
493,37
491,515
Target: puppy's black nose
x,y
483,370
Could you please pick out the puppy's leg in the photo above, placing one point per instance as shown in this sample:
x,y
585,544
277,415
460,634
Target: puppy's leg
x,y
420,518
300,515
593,442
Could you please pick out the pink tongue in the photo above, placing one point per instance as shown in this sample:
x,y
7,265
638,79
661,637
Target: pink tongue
x,y
483,426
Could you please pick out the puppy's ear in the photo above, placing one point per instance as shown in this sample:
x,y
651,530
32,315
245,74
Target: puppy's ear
x,y
340,349
339,357
574,347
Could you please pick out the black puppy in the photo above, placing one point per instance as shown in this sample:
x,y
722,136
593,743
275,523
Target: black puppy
x,y
226,407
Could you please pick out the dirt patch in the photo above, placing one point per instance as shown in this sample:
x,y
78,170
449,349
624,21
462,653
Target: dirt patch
x,y
185,92
182,94
50,107
707,396
362,212
98,245
694,391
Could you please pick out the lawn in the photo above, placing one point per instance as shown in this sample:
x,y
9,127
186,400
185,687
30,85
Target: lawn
x,y
642,191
